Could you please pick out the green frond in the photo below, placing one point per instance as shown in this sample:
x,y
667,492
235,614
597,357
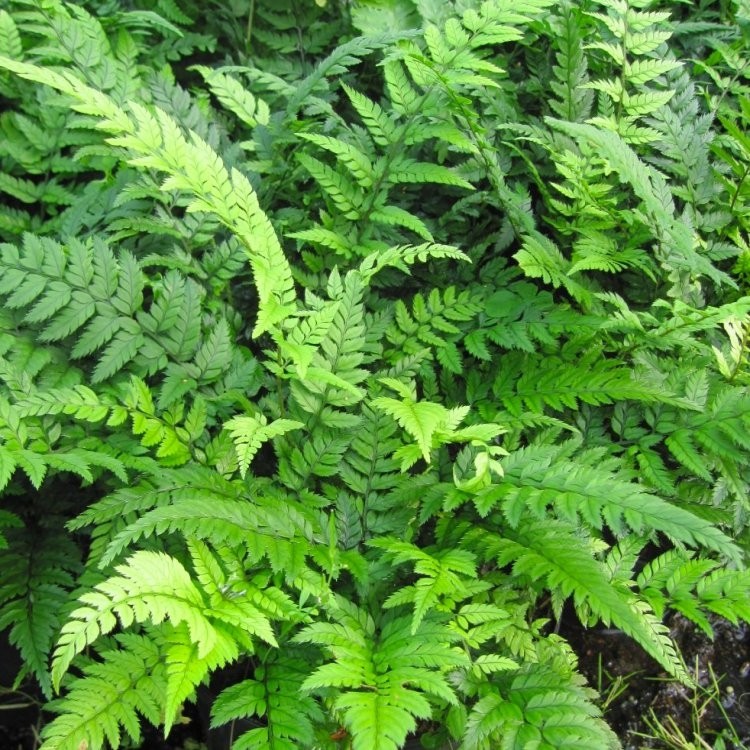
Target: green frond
x,y
249,433
382,128
537,705
10,39
557,384
220,520
357,163
573,102
345,194
186,667
544,550
235,97
434,321
380,710
695,587
104,705
150,587
535,477
38,576
442,574
192,166
409,171
395,216
401,256
273,695
421,419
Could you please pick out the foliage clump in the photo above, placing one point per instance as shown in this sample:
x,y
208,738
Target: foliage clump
x,y
359,345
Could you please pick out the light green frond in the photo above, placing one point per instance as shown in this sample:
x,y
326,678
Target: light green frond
x,y
149,587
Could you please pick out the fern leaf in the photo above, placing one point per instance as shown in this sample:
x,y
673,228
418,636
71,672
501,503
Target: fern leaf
x,y
230,521
249,433
351,157
186,668
420,419
378,723
393,215
108,698
345,194
39,570
382,711
193,166
542,549
273,695
409,171
539,705
681,446
574,101
382,129
237,99
600,495
150,586
10,39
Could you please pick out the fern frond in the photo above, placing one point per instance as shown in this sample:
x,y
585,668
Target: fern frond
x,y
261,527
273,695
105,703
155,141
381,710
237,99
535,477
10,39
538,704
433,321
38,576
573,100
559,385
421,419
151,587
442,574
249,433
546,550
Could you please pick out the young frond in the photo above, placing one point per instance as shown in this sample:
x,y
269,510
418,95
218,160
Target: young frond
x,y
249,433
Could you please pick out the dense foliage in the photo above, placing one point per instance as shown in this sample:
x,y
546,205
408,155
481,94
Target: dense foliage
x,y
358,344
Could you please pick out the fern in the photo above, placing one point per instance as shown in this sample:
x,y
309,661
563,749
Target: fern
x,y
156,142
274,695
40,571
694,587
249,434
527,709
635,37
286,431
370,670
540,551
105,704
574,97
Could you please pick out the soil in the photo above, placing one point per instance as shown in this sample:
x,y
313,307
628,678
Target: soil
x,y
718,707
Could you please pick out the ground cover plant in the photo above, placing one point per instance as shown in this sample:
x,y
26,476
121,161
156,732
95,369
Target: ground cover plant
x,y
352,345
